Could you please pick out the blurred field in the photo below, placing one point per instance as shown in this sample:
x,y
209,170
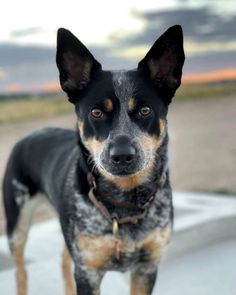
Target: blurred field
x,y
19,110
206,90
24,109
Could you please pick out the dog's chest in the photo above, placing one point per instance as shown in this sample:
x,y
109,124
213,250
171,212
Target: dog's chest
x,y
105,252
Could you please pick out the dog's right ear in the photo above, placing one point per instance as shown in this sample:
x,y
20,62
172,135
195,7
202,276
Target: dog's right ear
x,y
164,62
75,63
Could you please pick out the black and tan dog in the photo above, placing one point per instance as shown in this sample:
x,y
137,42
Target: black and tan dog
x,y
109,181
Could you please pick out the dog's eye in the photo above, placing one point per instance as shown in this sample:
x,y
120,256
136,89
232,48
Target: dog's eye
x,y
96,113
145,111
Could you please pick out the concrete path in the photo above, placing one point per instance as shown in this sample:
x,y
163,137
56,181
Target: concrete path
x,y
204,271
200,260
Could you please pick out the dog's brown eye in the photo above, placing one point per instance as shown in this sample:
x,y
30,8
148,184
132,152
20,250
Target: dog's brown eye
x,y
145,111
97,113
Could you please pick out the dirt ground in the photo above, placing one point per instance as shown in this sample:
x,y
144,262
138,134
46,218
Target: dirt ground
x,y
202,145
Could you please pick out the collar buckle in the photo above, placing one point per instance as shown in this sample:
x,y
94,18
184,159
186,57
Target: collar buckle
x,y
115,228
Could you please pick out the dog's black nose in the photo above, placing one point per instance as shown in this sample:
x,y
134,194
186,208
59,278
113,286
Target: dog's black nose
x,y
122,152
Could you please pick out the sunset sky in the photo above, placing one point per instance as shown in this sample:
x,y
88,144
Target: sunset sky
x,y
118,33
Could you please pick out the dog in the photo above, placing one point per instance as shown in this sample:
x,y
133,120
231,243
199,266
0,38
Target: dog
x,y
109,179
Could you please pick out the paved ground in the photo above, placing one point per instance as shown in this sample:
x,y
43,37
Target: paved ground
x,y
200,260
208,270
203,145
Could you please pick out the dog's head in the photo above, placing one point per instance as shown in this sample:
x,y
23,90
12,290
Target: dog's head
x,y
121,115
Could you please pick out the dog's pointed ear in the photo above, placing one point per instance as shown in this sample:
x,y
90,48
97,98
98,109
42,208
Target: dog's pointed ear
x,y
164,62
75,63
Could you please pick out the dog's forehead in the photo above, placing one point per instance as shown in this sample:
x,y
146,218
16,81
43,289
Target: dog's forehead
x,y
124,86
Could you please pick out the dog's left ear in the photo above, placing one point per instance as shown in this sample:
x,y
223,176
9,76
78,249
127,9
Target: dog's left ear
x,y
75,63
164,62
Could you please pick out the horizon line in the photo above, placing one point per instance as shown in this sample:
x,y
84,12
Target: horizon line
x,y
228,74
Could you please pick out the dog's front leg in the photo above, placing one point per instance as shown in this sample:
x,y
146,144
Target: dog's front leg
x,y
87,281
143,280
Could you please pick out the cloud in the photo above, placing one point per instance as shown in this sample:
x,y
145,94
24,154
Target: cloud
x,y
210,61
25,32
199,24
210,38
33,66
193,48
13,88
26,66
12,55
227,74
3,74
210,45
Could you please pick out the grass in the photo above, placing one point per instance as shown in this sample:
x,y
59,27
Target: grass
x,y
14,111
207,90
23,109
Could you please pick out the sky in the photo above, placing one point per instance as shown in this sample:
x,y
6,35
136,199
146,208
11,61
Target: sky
x,y
118,33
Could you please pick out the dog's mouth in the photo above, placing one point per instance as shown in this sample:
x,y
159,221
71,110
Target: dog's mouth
x,y
141,163
120,172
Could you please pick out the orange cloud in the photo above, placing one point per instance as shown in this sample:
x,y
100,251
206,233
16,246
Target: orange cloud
x,y
50,87
218,75
13,88
18,88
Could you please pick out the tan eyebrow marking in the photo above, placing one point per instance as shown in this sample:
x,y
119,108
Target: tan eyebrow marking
x,y
132,103
108,105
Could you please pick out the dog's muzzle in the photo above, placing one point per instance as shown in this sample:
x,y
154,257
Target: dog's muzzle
x,y
121,152
122,155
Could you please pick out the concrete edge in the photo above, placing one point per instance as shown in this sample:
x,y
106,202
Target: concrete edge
x,y
201,235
